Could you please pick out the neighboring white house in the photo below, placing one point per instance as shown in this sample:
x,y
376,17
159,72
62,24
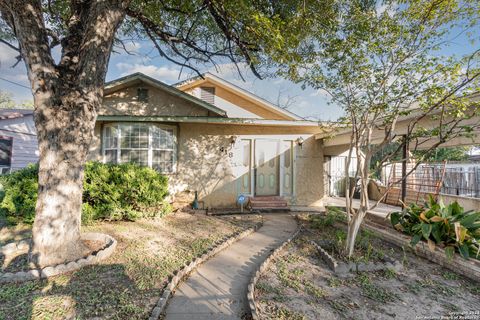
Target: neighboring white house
x,y
18,139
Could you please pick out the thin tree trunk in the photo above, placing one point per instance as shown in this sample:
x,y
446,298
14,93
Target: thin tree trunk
x,y
363,166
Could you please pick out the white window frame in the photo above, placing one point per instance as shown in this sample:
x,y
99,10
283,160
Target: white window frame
x,y
149,149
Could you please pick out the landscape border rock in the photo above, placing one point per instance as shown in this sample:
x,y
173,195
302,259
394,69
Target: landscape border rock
x,y
180,274
341,268
263,266
468,268
109,245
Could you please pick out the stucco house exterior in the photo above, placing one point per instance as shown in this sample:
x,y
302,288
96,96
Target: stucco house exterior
x,y
209,136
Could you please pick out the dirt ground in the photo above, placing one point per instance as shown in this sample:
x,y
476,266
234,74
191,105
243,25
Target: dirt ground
x,y
126,285
299,285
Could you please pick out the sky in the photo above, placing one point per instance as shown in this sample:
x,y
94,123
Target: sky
x,y
308,103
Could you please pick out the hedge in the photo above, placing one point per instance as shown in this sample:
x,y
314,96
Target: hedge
x,y
110,192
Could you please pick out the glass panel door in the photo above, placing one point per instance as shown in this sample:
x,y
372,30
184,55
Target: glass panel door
x,y
287,167
266,167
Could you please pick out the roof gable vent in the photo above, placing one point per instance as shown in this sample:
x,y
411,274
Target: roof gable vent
x,y
207,94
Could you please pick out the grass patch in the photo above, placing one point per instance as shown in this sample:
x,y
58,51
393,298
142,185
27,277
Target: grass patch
x,y
447,275
128,284
286,314
390,273
267,288
375,292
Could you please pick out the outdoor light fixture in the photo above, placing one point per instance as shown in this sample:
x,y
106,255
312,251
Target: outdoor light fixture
x,y
233,139
300,141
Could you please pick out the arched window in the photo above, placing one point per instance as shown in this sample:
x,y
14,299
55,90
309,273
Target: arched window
x,y
150,145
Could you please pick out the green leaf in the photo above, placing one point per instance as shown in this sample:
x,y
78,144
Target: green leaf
x,y
463,249
415,239
436,232
426,230
471,221
455,208
450,252
395,218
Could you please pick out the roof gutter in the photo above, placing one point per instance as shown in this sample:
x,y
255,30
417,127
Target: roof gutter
x,y
211,120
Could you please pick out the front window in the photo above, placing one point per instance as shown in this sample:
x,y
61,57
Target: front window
x,y
145,144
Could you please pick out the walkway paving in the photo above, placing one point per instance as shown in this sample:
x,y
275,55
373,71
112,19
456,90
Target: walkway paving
x,y
218,288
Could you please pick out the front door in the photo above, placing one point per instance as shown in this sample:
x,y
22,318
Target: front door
x,y
266,167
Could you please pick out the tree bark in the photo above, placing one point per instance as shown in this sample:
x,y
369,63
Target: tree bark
x,y
363,167
66,97
64,135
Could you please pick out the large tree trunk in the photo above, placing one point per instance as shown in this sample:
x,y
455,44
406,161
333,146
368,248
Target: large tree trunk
x,y
64,135
66,96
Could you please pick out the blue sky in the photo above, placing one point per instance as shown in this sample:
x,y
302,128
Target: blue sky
x,y
307,103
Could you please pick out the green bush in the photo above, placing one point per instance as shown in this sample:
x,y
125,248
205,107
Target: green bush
x,y
122,192
110,192
19,195
445,226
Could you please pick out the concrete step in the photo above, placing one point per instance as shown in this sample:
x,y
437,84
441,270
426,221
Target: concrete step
x,y
272,204
268,203
267,198
275,209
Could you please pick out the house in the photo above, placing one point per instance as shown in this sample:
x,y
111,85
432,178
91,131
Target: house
x,y
212,137
208,136
18,139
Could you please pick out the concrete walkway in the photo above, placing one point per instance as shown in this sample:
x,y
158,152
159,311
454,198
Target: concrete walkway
x,y
218,288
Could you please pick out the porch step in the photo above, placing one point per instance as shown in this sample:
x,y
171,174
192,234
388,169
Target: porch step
x,y
268,203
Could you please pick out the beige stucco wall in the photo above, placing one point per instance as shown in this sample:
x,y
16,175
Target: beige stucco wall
x,y
160,103
202,167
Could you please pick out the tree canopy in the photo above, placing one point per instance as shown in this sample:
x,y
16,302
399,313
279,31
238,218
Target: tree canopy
x,y
192,34
384,62
68,91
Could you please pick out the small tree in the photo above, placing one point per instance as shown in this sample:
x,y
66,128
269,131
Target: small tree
x,y
6,101
68,92
382,62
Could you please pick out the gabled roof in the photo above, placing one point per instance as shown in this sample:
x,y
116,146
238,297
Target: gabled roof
x,y
192,82
127,81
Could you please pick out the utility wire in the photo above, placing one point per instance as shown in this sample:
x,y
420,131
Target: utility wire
x,y
15,83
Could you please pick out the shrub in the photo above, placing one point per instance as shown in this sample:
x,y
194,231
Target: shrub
x,y
122,192
446,226
19,195
111,192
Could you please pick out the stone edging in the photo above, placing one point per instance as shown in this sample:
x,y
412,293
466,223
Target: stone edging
x,y
185,270
253,281
50,271
342,268
468,268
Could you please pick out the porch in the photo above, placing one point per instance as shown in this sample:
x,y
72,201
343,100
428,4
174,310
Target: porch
x,y
381,211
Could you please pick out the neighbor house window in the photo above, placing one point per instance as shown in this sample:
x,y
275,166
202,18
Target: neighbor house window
x,y
145,144
5,154
142,94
